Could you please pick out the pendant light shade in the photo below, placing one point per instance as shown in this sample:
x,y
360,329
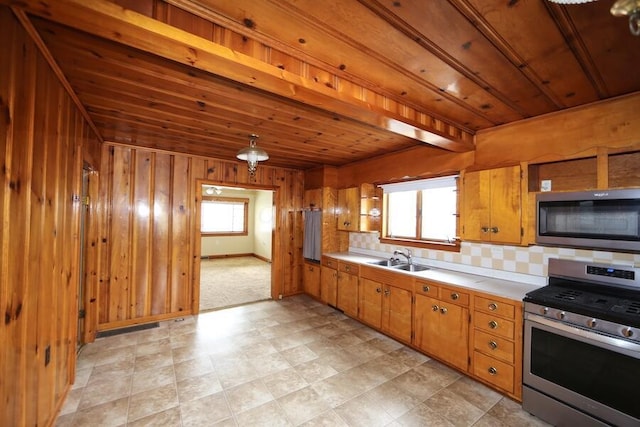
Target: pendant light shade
x,y
252,154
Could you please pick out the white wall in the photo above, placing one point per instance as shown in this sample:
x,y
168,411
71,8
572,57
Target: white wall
x,y
258,239
263,224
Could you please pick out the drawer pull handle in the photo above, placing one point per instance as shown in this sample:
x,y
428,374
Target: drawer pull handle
x,y
492,370
425,288
435,307
443,310
493,345
493,306
493,324
455,296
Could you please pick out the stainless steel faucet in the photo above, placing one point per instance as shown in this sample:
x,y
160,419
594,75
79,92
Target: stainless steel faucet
x,y
407,255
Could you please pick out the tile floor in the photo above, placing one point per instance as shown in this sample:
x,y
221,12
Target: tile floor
x,y
274,363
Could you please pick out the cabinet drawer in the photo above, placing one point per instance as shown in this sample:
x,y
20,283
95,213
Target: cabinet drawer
x,y
427,288
348,267
497,347
493,371
494,325
330,262
454,296
499,308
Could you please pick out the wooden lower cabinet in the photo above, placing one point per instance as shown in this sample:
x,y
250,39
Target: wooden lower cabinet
x,y
496,340
396,312
348,288
329,281
311,279
370,304
442,330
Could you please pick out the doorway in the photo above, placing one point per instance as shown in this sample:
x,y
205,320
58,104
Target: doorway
x,y
236,226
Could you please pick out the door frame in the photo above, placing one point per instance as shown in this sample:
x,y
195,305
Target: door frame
x,y
276,259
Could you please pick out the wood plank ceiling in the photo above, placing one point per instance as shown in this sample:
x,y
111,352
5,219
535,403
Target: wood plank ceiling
x,y
329,82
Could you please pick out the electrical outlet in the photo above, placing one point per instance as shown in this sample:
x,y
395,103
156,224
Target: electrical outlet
x,y
47,355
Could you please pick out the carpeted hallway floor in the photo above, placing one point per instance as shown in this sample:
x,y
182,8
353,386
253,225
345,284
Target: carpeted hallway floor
x,y
227,282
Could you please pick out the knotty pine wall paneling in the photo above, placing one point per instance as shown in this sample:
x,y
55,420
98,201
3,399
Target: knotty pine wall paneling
x,y
42,139
149,257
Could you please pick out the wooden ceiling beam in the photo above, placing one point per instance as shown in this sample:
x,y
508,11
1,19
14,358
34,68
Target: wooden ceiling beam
x,y
115,23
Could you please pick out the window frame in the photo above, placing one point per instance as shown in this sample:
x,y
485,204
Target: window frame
x,y
453,246
237,200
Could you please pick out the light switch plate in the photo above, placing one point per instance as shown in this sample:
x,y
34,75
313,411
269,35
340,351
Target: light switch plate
x,y
545,185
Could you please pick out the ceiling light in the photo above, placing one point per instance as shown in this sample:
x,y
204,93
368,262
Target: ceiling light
x,y
630,8
252,154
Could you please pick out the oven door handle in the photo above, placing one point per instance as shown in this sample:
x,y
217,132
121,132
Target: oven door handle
x,y
573,330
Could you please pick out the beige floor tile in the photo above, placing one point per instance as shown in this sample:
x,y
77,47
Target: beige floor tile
x,y
302,405
277,363
152,401
151,379
268,415
248,396
197,387
284,382
363,412
205,411
169,418
112,413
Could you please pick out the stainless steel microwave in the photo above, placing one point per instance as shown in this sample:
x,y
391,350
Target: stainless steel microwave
x,y
599,219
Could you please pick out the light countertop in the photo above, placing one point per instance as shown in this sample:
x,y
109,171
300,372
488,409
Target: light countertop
x,y
499,287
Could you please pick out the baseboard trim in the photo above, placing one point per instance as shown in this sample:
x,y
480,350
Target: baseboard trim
x,y
235,256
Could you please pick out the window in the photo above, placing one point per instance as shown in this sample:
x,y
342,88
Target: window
x,y
224,216
421,212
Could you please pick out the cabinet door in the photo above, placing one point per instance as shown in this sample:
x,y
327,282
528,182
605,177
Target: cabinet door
x,y
312,280
349,209
442,330
506,217
396,312
370,300
348,294
329,286
476,202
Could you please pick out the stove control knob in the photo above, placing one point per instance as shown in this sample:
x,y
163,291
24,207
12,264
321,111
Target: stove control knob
x,y
627,332
562,315
544,310
592,323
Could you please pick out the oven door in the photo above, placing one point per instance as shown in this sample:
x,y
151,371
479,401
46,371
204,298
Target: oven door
x,y
593,373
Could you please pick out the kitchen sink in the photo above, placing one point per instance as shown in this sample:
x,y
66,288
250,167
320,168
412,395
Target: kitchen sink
x,y
411,267
386,263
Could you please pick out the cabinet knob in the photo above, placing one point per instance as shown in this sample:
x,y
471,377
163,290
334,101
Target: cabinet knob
x,y
455,296
495,230
484,229
435,307
493,345
387,292
493,306
443,310
493,324
492,370
425,288
378,290
347,268
346,223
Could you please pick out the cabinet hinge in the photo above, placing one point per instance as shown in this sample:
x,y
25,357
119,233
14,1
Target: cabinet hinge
x,y
468,361
81,314
521,231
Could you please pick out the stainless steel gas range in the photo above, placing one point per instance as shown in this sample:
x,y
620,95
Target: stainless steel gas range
x,y
582,346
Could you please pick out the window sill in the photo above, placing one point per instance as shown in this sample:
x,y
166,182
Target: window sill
x,y
204,234
439,246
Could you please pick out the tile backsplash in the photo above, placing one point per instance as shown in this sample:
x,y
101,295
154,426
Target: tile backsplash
x,y
500,259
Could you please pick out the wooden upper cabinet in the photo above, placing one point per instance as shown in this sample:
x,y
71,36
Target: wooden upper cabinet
x,y
492,205
349,209
359,208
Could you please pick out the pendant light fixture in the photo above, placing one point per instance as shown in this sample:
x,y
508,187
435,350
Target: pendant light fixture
x,y
252,154
630,8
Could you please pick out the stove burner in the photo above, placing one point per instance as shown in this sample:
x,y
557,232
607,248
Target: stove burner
x,y
568,295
